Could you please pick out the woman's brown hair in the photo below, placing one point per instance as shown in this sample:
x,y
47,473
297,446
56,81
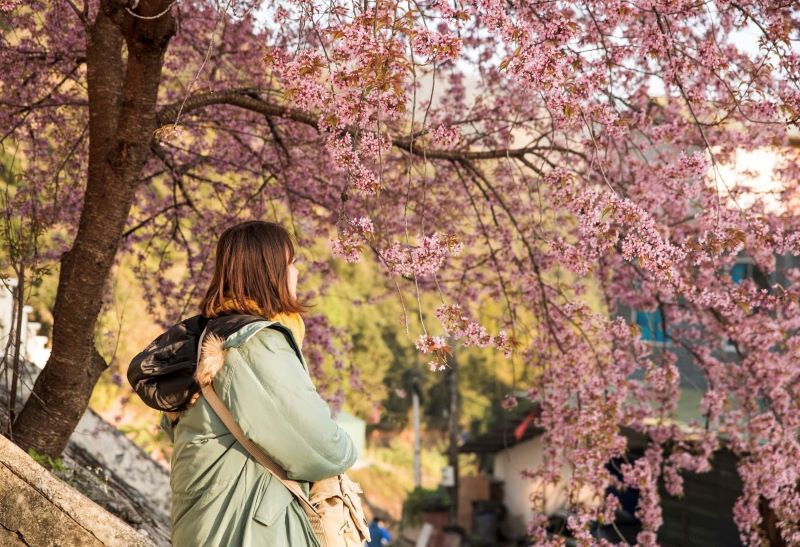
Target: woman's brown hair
x,y
251,262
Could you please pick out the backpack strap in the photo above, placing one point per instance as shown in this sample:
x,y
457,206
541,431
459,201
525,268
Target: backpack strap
x,y
251,447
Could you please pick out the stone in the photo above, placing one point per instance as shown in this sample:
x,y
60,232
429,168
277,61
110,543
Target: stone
x,y
39,509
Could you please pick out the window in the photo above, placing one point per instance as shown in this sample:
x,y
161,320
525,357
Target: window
x,y
741,270
745,268
651,324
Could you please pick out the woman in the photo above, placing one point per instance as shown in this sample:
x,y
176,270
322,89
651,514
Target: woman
x,y
220,495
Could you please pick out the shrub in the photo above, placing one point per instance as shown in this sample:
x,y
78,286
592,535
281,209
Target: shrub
x,y
422,500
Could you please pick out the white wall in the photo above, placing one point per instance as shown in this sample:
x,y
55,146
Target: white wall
x,y
508,464
517,490
6,308
32,347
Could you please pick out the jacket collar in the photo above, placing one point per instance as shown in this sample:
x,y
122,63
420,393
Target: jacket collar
x,y
212,357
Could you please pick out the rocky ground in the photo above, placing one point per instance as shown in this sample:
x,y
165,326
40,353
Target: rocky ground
x,y
105,466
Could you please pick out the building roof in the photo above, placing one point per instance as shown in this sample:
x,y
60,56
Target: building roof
x,y
505,435
513,431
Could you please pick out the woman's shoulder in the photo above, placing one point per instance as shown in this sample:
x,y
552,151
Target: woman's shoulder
x,y
252,343
273,345
269,337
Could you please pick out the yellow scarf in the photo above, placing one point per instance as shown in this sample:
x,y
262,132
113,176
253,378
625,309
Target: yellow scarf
x,y
294,321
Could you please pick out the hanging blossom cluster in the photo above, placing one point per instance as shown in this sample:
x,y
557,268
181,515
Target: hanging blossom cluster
x,y
423,259
596,376
470,332
445,135
350,160
607,222
439,349
353,235
436,45
357,83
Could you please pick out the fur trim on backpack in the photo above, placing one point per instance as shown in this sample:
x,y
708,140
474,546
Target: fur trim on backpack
x,y
211,360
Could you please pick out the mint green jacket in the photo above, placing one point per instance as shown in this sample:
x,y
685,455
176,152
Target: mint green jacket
x,y
221,496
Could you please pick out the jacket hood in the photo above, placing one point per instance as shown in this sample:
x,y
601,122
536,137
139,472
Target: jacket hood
x,y
163,374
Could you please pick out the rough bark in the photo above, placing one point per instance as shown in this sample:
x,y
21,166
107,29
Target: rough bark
x,y
769,525
122,106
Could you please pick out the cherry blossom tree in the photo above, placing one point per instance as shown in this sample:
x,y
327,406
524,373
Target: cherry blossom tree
x,y
550,155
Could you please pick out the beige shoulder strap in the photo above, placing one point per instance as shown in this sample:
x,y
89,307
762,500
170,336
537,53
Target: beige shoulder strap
x,y
256,451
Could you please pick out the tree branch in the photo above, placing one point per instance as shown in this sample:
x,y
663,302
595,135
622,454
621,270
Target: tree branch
x,y
251,99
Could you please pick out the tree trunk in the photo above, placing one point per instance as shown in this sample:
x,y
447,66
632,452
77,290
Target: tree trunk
x,y
122,106
769,524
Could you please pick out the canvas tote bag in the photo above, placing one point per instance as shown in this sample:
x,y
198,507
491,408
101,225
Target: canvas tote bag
x,y
333,506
